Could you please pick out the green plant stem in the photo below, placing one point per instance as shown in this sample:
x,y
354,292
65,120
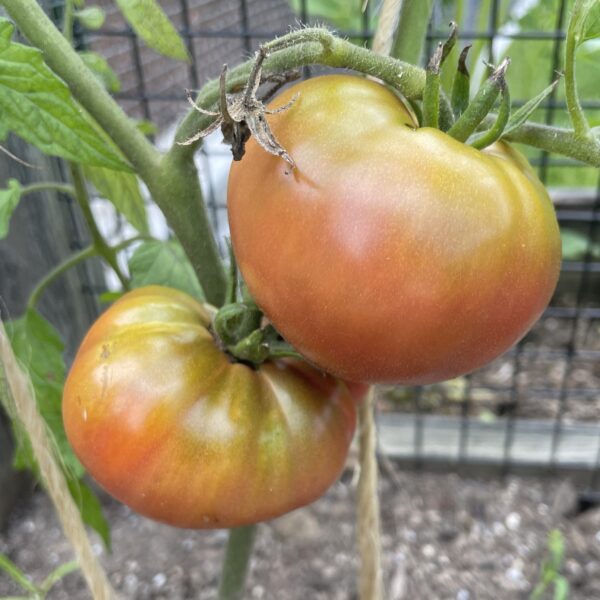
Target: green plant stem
x,y
235,566
16,574
172,181
554,139
57,272
48,186
325,50
412,27
580,124
99,243
58,573
69,263
68,18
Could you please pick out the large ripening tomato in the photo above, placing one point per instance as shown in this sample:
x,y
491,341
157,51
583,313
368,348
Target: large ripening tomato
x,y
166,423
391,253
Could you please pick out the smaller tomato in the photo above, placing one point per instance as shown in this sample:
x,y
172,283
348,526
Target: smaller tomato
x,y
165,421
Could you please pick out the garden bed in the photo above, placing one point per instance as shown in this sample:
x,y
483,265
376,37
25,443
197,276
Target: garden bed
x,y
444,537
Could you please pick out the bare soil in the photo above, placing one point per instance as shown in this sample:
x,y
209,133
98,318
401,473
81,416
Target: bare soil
x,y
444,537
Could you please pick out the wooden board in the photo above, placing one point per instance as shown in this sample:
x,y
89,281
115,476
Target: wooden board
x,y
523,443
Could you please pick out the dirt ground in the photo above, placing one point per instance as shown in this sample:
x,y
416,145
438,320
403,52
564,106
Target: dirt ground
x,y
444,537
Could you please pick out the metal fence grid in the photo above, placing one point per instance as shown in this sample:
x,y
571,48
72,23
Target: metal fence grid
x,y
550,382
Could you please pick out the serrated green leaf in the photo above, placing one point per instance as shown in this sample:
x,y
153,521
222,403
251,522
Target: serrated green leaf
x,y
9,199
102,70
39,107
90,509
123,191
92,17
164,263
38,347
149,21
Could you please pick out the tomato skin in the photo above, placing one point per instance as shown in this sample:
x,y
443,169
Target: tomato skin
x,y
165,422
390,254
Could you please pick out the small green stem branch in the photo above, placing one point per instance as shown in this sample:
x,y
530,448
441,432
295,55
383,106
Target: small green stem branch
x,y
68,18
235,566
412,27
550,139
69,263
48,186
99,243
57,272
580,124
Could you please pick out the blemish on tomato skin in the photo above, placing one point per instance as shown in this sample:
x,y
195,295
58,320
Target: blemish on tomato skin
x,y
105,351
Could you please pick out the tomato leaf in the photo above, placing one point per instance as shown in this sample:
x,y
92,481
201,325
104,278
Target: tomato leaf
x,y
590,22
90,509
151,23
164,263
123,190
101,69
38,347
39,107
92,17
9,198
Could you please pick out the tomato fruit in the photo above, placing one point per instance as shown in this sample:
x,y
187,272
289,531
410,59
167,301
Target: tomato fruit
x,y
168,424
391,253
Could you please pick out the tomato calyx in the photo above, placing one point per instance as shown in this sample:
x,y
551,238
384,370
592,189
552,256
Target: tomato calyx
x,y
238,331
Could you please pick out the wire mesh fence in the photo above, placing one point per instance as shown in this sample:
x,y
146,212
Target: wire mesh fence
x,y
538,405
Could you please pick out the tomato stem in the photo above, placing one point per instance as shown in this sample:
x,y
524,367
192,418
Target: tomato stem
x,y
480,105
574,39
412,26
235,564
98,241
52,186
57,272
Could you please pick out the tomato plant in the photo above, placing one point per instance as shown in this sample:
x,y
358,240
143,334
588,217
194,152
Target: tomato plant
x,y
166,422
391,253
